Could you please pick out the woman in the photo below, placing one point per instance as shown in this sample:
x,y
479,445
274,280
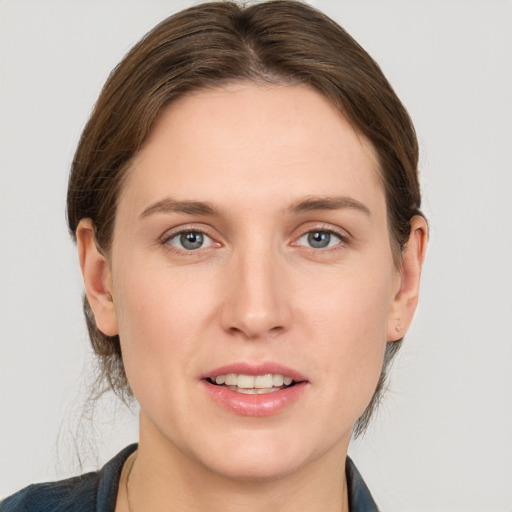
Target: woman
x,y
245,203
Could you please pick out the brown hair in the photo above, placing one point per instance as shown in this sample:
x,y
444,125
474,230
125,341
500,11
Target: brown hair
x,y
213,43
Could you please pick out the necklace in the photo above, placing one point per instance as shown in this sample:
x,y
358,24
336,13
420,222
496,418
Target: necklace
x,y
128,482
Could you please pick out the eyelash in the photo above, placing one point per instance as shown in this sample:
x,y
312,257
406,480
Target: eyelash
x,y
344,240
165,241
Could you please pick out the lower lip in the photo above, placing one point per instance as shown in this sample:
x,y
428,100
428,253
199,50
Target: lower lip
x,y
255,405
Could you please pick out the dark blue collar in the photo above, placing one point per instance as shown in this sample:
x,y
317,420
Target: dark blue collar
x,y
97,491
359,496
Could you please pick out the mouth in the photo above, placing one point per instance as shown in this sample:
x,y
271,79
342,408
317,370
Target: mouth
x,y
253,384
255,389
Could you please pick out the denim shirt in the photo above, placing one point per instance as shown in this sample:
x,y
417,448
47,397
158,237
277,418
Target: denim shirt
x,y
97,491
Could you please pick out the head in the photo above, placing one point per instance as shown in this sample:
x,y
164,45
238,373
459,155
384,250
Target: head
x,y
227,49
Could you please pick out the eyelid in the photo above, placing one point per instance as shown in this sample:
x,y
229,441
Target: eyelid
x,y
171,233
178,235
333,237
175,230
344,236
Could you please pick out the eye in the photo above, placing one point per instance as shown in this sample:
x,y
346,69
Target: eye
x,y
319,239
190,240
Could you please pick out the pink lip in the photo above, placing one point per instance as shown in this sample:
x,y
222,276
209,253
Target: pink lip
x,y
255,405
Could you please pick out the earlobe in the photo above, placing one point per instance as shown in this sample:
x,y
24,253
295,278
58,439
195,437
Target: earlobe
x,y
97,279
406,299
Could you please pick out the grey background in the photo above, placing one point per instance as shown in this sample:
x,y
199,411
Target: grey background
x,y
442,440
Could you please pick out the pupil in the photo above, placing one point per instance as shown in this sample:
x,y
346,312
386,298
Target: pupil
x,y
191,240
319,239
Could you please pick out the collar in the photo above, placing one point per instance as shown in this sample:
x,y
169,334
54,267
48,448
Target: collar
x,y
359,496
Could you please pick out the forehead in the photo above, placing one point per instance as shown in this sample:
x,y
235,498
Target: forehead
x,y
241,140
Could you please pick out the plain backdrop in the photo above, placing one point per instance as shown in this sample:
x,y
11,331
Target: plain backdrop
x,y
442,440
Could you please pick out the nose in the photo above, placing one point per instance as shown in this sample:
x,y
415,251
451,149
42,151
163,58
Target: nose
x,y
256,304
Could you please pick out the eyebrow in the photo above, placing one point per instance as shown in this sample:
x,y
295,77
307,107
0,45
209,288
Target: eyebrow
x,y
311,204
169,205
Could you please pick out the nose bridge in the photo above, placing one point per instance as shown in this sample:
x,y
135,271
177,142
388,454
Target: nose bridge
x,y
256,303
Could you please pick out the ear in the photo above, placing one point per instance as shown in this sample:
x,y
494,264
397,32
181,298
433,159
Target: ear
x,y
97,279
406,299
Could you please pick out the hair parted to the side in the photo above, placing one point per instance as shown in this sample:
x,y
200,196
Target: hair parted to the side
x,y
215,43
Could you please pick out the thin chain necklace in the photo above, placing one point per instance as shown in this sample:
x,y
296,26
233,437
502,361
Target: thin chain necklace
x,y
127,483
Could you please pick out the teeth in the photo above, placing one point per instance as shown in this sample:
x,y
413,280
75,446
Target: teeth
x,y
255,391
263,381
245,381
277,380
259,383
231,379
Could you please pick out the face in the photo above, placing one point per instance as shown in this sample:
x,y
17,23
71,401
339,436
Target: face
x,y
251,249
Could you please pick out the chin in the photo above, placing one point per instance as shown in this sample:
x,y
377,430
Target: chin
x,y
257,469
258,458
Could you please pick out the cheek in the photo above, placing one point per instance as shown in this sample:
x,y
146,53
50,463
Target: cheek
x,y
157,318
154,299
355,305
350,331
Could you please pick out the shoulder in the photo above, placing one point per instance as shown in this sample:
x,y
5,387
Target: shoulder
x,y
72,494
91,492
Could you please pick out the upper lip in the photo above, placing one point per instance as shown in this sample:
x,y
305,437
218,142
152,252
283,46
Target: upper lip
x,y
246,368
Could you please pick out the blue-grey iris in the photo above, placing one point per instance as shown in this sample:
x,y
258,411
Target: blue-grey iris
x,y
319,239
192,240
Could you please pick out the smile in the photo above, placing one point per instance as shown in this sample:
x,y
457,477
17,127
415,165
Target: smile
x,y
255,389
253,384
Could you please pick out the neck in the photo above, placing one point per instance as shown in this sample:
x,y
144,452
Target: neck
x,y
164,478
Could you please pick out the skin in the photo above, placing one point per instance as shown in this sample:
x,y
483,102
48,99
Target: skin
x,y
256,291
